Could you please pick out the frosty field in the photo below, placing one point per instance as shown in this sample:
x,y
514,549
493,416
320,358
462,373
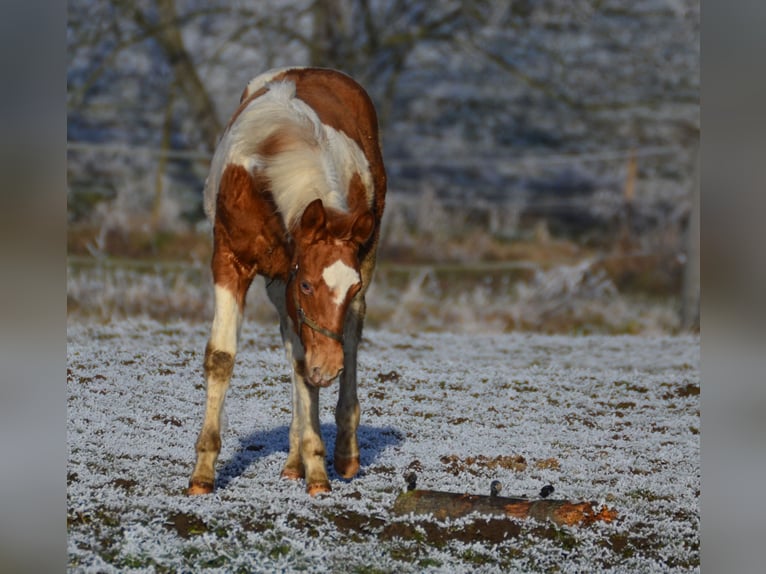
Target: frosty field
x,y
612,419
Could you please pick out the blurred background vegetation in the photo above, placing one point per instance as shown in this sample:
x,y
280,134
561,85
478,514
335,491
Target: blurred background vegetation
x,y
542,154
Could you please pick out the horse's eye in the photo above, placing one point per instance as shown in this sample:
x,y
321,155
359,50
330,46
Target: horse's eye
x,y
306,288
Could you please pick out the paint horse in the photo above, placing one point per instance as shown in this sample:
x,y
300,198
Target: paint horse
x,y
295,193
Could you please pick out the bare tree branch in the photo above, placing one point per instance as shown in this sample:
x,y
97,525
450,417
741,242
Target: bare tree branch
x,y
168,36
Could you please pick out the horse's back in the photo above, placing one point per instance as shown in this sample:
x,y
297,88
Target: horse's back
x,y
341,103
338,100
334,98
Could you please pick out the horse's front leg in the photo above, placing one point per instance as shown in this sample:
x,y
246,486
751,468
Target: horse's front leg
x,y
219,364
347,412
306,458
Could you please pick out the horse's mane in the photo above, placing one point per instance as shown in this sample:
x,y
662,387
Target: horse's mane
x,y
281,136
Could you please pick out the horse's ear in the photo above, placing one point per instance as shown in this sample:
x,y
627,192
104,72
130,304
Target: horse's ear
x,y
313,219
362,227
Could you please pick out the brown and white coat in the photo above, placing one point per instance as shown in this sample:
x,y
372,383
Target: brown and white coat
x,y
296,192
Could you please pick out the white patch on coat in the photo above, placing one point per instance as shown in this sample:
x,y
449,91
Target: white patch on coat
x,y
227,321
318,165
262,79
340,278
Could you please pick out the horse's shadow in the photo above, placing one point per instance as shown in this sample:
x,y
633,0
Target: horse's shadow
x,y
372,442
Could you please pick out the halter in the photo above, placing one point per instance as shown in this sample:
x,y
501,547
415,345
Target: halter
x,y
303,319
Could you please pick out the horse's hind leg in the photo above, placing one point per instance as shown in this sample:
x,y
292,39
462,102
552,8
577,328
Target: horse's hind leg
x,y
306,425
219,364
293,468
307,451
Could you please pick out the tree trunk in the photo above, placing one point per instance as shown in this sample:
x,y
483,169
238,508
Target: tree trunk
x,y
444,505
168,35
329,41
690,296
162,161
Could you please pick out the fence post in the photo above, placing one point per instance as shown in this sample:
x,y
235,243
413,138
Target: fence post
x,y
162,161
627,238
690,294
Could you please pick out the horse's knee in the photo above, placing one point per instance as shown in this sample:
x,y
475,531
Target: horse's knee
x,y
219,365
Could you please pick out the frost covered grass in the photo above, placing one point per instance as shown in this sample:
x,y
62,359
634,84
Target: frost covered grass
x,y
613,419
566,298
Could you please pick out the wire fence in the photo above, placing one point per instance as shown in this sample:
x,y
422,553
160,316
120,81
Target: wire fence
x,y
412,216
484,182
464,161
428,202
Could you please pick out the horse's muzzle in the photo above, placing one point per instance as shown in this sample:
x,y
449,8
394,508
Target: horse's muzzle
x,y
318,379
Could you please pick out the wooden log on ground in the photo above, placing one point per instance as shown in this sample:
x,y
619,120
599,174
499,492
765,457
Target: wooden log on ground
x,y
443,505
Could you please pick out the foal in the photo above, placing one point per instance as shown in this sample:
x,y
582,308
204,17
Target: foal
x,y
296,192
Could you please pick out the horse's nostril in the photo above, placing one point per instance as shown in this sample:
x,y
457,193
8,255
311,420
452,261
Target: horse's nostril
x,y
317,377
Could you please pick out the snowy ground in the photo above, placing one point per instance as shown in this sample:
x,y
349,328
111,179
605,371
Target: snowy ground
x,y
610,419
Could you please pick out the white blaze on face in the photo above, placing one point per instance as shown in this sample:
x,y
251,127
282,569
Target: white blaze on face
x,y
340,278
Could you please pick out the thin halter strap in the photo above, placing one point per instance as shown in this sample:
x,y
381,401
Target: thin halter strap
x,y
303,319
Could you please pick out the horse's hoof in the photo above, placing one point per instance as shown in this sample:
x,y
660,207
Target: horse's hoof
x,y
292,473
318,488
199,487
347,467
